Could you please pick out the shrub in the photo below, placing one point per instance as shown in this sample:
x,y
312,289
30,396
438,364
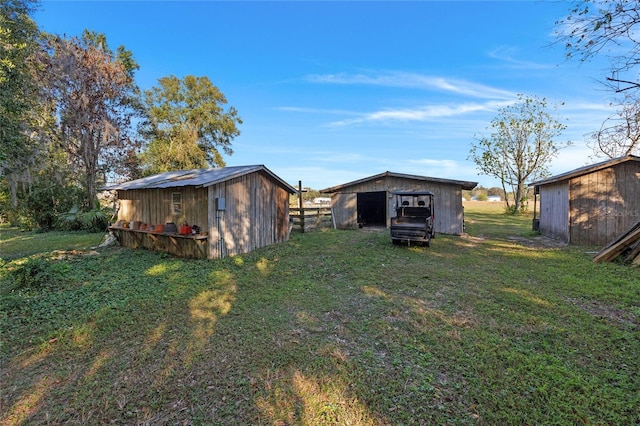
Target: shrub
x,y
94,220
47,201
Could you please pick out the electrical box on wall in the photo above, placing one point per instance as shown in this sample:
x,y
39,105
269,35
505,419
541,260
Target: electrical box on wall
x,y
220,203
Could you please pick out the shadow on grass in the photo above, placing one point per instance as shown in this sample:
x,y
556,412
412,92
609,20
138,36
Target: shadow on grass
x,y
330,328
143,326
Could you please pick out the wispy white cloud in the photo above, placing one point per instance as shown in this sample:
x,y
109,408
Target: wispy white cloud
x,y
509,54
424,113
601,107
341,157
583,118
308,110
441,168
571,158
445,168
439,163
414,81
319,177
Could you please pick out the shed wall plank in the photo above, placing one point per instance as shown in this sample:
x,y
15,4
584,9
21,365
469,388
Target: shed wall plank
x,y
447,198
153,206
554,211
256,213
594,208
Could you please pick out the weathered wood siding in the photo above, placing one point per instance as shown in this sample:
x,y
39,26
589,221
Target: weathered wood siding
x,y
153,206
256,215
591,208
449,215
603,204
554,211
344,208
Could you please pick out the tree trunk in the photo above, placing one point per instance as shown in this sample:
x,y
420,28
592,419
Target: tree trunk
x,y
506,195
91,190
518,196
91,150
91,170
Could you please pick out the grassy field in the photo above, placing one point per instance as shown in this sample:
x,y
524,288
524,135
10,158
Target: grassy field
x,y
498,326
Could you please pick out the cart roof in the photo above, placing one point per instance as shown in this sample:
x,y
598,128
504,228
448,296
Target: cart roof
x,y
412,193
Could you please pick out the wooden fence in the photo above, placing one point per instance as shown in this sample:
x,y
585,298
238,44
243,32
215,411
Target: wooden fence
x,y
308,218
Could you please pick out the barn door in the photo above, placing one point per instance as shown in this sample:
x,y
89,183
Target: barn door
x,y
372,208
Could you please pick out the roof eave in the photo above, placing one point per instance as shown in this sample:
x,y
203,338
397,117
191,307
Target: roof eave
x,y
581,171
172,179
466,185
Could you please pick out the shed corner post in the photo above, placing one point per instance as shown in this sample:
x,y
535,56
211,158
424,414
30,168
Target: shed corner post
x,y
535,221
390,207
211,224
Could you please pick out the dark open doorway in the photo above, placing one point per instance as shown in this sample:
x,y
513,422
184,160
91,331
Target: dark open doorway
x,y
372,208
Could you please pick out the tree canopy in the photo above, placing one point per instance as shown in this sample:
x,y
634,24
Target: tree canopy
x,y
19,38
187,126
619,134
93,89
67,107
520,147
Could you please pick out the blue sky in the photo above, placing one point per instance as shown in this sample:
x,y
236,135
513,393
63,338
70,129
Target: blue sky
x,y
331,92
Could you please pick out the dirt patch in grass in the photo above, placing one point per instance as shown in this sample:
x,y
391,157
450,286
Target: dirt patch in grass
x,y
611,314
538,241
474,238
67,254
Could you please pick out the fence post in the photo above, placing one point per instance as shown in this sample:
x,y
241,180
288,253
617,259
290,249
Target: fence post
x,y
300,205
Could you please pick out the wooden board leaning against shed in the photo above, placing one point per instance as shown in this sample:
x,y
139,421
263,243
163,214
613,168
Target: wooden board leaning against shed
x,y
626,247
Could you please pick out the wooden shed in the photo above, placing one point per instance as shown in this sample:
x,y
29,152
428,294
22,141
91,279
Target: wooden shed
x,y
590,205
368,201
237,209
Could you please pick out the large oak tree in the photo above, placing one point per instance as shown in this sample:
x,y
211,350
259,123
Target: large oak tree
x,y
187,126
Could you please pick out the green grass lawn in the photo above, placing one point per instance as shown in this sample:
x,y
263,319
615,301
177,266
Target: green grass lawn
x,y
15,244
332,327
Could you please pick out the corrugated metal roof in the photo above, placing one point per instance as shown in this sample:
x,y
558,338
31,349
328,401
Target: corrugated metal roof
x,y
585,170
197,177
464,184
